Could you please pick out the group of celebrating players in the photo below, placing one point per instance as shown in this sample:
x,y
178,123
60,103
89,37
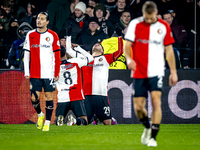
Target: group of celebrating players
x,y
50,66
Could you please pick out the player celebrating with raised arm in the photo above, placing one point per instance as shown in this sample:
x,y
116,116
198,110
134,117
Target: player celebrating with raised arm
x,y
95,82
42,56
149,36
69,85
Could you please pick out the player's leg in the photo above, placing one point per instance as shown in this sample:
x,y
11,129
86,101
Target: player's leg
x,y
139,101
156,92
79,111
35,89
141,113
102,109
61,111
156,116
113,120
94,120
49,87
88,102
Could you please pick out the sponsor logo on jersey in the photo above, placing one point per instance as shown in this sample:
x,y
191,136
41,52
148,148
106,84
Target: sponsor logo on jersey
x,y
149,41
67,66
68,89
95,65
40,45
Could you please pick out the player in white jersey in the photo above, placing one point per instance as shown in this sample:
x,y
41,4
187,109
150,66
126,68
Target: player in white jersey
x,y
95,81
69,85
41,66
149,37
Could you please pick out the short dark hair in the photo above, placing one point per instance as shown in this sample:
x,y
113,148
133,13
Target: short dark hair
x,y
46,14
166,13
62,51
124,12
149,7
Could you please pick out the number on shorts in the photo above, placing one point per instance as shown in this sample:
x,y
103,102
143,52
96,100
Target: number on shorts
x,y
160,82
52,83
67,76
107,110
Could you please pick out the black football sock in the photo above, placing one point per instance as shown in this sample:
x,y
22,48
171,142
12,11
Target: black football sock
x,y
49,109
154,130
36,105
145,122
81,121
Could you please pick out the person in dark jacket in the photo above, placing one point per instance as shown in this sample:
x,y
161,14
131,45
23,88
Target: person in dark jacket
x,y
106,25
10,36
16,54
110,5
179,33
92,35
78,20
59,11
178,30
123,23
115,14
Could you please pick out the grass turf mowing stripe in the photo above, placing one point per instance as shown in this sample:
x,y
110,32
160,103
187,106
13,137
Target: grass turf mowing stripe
x,y
117,137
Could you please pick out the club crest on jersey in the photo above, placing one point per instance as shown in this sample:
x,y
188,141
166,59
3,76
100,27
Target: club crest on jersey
x,y
47,39
159,31
100,59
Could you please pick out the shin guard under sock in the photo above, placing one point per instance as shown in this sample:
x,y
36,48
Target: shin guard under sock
x,y
49,109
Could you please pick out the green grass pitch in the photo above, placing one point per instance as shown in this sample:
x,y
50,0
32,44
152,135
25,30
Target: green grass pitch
x,y
97,137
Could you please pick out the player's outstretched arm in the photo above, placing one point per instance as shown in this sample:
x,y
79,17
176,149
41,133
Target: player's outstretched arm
x,y
69,49
84,53
173,78
119,52
130,62
26,64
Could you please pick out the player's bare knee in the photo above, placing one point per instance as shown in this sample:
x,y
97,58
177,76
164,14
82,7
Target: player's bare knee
x,y
107,122
156,104
84,117
34,96
138,107
49,97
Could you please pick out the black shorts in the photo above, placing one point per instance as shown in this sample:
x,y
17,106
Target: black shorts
x,y
77,108
95,104
142,86
37,84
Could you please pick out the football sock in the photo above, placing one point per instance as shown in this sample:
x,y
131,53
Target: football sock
x,y
81,121
49,109
154,130
40,114
36,105
145,122
47,122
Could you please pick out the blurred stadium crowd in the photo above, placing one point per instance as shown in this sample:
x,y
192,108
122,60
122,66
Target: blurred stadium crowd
x,y
111,19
